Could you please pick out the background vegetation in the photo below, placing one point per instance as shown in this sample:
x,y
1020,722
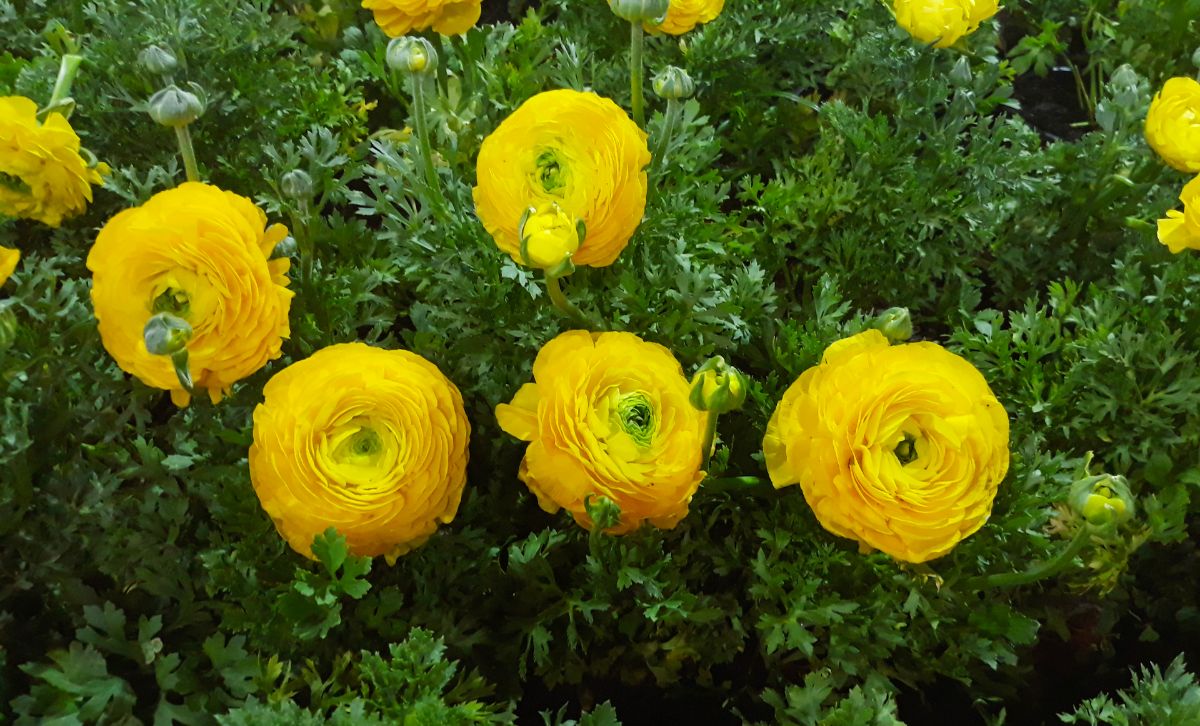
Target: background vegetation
x,y
827,169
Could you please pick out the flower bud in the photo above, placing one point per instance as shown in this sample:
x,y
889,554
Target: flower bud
x,y
297,185
158,60
549,236
1102,500
175,107
166,334
718,387
604,512
673,84
409,54
960,74
895,324
640,11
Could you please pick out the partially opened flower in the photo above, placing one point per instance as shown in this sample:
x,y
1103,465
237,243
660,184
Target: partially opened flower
x,y
684,15
900,447
1173,124
9,257
370,441
608,416
575,152
446,17
942,22
201,255
1181,230
42,175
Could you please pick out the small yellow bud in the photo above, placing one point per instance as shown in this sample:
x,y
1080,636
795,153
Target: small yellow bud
x,y
409,54
1102,500
719,387
549,236
640,11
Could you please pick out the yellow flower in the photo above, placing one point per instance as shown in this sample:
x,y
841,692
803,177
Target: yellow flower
x,y
899,447
446,17
9,258
943,21
684,15
1173,124
42,175
578,150
370,441
608,415
548,237
1181,230
201,254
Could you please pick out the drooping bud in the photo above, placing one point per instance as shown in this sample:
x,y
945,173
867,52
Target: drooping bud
x,y
158,60
549,236
166,334
1102,500
409,54
297,185
718,387
895,324
673,84
175,107
640,11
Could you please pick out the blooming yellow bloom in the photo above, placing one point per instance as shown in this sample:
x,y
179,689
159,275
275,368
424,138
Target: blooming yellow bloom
x,y
9,258
943,21
42,175
1173,124
370,441
201,254
608,415
578,150
684,15
446,17
1181,230
900,447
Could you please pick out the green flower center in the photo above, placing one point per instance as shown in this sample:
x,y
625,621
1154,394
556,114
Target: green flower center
x,y
637,417
550,173
359,449
172,300
906,450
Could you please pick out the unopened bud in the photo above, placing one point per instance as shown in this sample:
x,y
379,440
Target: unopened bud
x,y
640,11
175,107
549,236
673,84
409,54
895,324
297,185
1102,500
718,387
166,334
960,74
158,60
604,512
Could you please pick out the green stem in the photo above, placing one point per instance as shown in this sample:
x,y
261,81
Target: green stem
x,y
674,113
422,131
188,152
468,66
636,36
67,69
562,303
710,436
1033,574
440,47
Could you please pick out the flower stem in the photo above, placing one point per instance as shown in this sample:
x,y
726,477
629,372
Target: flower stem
x,y
422,130
468,67
67,69
710,436
188,153
674,113
1033,574
636,37
440,46
561,302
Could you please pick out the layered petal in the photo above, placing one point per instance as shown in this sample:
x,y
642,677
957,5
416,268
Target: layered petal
x,y
446,17
1181,230
684,15
942,22
1173,124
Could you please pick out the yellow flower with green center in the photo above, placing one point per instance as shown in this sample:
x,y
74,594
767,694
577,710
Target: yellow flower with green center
x,y
1173,124
42,175
899,447
942,22
684,15
576,150
9,257
202,255
370,441
608,415
445,17
1181,230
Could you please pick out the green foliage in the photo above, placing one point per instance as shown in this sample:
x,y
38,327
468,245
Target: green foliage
x,y
1170,698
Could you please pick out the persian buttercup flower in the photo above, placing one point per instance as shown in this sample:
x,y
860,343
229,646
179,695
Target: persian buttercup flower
x,y
577,150
1181,230
900,447
1173,124
42,175
684,15
942,22
9,258
201,254
608,415
370,441
446,17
